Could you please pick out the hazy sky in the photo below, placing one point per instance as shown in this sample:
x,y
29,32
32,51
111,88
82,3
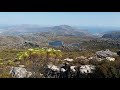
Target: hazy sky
x,y
60,18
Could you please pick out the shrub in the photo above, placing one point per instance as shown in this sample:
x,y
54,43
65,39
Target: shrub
x,y
39,52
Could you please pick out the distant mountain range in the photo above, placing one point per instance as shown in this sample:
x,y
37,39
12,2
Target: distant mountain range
x,y
35,35
62,30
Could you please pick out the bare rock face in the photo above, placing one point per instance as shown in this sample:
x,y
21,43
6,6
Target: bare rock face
x,y
20,72
106,53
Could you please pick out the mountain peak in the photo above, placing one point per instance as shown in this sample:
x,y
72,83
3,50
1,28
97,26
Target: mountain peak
x,y
65,26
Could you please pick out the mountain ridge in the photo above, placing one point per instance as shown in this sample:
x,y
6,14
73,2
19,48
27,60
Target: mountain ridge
x,y
112,35
57,30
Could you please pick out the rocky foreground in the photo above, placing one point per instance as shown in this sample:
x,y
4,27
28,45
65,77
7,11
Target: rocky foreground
x,y
80,67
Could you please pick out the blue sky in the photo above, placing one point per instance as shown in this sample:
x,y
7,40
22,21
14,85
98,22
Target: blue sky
x,y
60,18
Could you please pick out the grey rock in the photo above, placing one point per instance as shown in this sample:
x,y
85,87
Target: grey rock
x,y
20,72
106,53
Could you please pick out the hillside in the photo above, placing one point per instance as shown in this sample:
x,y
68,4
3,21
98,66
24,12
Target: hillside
x,y
21,41
112,35
65,30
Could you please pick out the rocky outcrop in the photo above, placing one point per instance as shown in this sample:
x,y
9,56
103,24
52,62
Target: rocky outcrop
x,y
53,67
106,53
84,69
19,72
68,71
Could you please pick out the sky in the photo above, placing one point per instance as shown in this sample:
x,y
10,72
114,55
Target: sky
x,y
61,18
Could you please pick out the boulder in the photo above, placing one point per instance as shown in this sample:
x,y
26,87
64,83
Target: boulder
x,y
62,70
84,69
53,67
106,53
20,72
68,59
73,68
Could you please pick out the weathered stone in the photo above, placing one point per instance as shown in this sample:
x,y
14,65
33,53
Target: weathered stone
x,y
106,53
62,70
73,68
68,59
86,69
110,59
53,67
20,72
